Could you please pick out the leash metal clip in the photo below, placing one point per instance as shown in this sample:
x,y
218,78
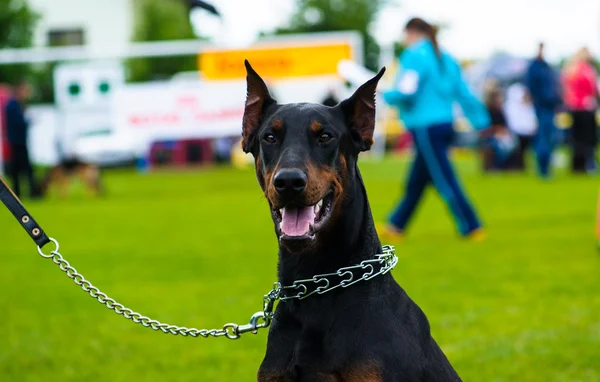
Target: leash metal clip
x,y
259,320
254,324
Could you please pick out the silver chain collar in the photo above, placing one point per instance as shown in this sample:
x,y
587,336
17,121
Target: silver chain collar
x,y
259,320
387,261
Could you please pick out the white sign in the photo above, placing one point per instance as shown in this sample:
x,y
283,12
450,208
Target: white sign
x,y
84,93
87,85
167,111
153,112
43,134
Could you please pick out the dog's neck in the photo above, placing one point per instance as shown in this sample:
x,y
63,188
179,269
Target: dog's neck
x,y
351,239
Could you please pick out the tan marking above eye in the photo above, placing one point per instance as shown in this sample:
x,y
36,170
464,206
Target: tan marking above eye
x,y
315,126
277,124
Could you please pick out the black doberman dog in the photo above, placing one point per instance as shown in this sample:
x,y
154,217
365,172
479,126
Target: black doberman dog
x,y
306,164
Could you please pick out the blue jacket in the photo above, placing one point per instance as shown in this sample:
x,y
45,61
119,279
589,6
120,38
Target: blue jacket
x,y
16,124
542,82
426,90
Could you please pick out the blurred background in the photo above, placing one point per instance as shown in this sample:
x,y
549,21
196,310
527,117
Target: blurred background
x,y
121,119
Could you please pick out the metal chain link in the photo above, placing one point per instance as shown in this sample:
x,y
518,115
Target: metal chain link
x,y
387,260
259,320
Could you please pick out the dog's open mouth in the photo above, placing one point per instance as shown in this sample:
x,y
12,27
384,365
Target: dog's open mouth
x,y
296,222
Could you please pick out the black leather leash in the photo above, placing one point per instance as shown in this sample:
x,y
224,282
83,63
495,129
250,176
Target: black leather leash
x,y
24,218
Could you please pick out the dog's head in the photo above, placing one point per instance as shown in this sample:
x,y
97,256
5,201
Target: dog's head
x,y
304,156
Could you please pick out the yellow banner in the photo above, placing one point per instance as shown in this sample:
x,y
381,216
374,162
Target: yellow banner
x,y
274,62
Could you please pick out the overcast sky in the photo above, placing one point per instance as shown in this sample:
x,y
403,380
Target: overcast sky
x,y
476,27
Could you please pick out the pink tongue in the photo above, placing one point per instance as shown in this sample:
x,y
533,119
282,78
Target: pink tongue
x,y
296,220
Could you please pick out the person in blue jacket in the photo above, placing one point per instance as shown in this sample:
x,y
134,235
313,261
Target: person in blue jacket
x,y
428,85
543,85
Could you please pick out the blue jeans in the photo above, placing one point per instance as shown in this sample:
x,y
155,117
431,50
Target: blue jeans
x,y
431,165
544,140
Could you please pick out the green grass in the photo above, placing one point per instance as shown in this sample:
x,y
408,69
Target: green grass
x,y
197,249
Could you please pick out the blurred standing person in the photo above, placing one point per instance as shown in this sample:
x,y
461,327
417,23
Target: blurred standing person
x,y
17,128
581,99
427,86
543,86
499,142
521,120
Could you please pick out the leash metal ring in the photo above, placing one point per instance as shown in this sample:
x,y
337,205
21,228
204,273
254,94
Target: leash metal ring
x,y
231,331
52,253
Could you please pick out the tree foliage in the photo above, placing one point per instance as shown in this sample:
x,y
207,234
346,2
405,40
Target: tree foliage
x,y
17,26
338,15
158,21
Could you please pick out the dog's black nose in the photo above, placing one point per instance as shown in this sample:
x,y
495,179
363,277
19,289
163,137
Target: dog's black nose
x,y
289,182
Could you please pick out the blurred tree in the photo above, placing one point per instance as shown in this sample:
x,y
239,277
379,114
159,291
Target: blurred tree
x,y
157,20
338,15
17,25
42,79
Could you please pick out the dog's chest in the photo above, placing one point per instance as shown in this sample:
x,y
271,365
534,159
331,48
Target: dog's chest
x,y
365,372
315,350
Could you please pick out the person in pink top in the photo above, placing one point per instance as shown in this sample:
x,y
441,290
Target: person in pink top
x,y
580,83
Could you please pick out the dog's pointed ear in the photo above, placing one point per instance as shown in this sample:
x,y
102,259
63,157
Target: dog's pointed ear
x,y
360,112
257,100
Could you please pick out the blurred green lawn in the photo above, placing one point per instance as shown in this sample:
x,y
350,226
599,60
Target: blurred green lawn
x,y
197,249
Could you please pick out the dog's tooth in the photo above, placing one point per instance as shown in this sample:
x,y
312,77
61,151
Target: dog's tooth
x,y
320,204
281,211
317,208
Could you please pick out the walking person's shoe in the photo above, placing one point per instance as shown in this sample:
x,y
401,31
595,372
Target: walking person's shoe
x,y
478,235
389,232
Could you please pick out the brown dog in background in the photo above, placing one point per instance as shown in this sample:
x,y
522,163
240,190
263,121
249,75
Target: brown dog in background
x,y
62,175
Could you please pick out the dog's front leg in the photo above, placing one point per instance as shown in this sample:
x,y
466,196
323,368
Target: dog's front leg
x,y
284,334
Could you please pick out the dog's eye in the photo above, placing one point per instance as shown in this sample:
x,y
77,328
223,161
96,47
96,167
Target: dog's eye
x,y
325,137
270,138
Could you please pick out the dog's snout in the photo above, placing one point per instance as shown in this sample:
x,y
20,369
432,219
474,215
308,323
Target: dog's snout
x,y
289,182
